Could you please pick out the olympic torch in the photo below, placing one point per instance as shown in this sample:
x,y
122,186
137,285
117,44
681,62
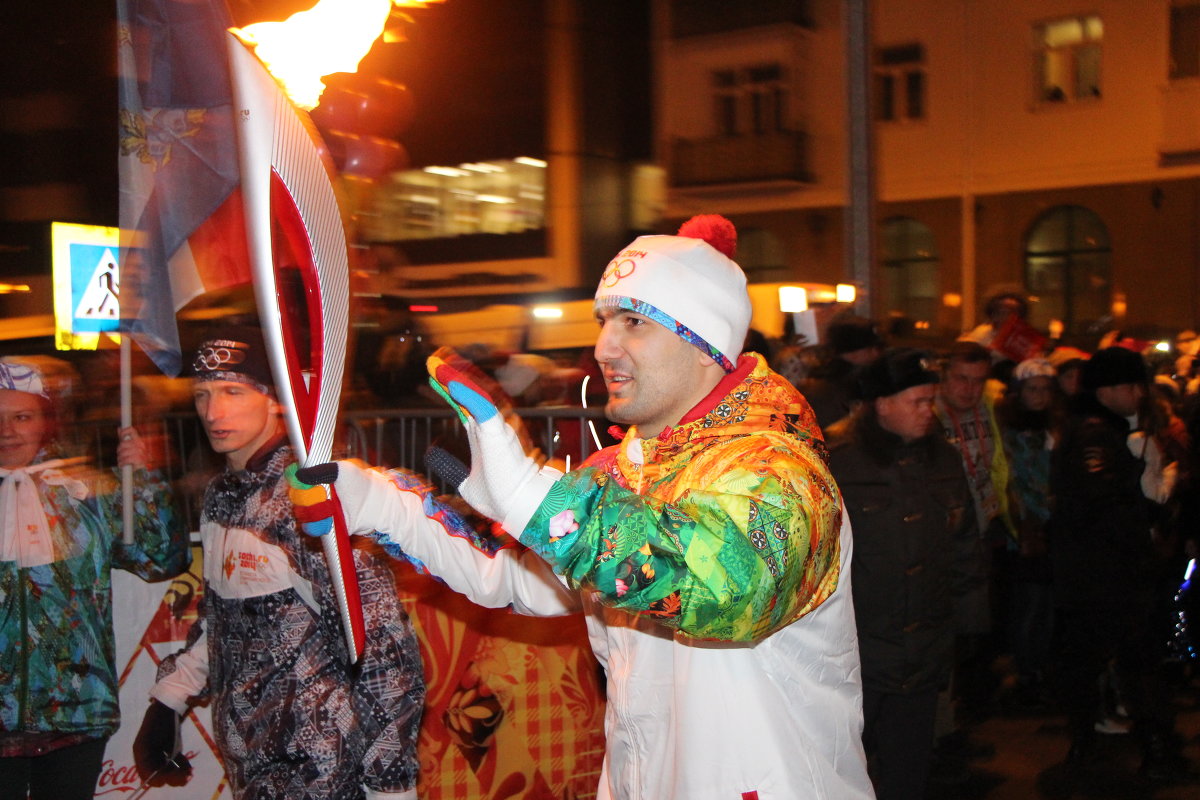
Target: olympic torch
x,y
300,268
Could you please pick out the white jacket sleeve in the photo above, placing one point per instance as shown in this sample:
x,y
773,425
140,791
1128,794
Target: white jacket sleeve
x,y
372,502
188,680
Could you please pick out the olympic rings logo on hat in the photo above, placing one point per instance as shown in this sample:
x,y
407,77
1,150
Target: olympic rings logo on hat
x,y
617,270
211,358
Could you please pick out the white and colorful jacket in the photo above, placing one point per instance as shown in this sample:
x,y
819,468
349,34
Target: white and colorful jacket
x,y
293,718
712,564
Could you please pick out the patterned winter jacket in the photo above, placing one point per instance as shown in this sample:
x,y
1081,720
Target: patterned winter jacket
x,y
292,717
725,527
57,659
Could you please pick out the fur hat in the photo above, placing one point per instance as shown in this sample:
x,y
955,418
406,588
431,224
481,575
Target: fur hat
x,y
896,370
1113,366
687,283
237,355
850,333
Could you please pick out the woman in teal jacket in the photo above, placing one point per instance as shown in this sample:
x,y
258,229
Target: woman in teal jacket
x,y
60,538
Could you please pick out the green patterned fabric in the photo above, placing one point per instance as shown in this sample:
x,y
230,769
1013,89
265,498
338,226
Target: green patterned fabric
x,y
727,530
56,636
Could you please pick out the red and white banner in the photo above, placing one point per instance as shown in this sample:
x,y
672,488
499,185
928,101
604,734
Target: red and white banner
x,y
151,622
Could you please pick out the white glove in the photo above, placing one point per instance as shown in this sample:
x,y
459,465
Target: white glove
x,y
505,483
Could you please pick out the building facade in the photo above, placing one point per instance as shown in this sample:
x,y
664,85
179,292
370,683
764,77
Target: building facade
x,y
1047,144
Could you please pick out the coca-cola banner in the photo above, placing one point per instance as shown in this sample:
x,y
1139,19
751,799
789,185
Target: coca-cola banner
x,y
151,622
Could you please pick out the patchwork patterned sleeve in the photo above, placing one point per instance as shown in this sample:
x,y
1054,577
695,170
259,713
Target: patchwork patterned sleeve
x,y
160,542
182,677
747,551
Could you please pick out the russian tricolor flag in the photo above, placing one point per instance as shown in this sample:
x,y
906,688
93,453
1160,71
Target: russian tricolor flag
x,y
182,227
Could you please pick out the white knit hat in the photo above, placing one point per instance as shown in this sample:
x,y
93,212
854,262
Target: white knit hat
x,y
686,285
1034,368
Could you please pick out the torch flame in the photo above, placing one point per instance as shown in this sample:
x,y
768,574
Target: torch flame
x,y
332,36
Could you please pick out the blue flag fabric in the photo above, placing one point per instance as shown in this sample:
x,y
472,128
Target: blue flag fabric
x,y
178,167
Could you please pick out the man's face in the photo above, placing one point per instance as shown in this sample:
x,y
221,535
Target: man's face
x,y
962,384
22,428
1123,399
237,418
653,377
1069,381
1037,393
1003,310
908,414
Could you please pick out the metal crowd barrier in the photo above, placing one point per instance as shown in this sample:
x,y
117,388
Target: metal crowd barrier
x,y
380,437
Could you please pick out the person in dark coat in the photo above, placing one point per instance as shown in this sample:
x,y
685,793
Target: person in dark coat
x,y
831,387
914,541
1101,556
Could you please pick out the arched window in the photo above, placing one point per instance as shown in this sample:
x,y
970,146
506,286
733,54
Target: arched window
x,y
1068,269
908,285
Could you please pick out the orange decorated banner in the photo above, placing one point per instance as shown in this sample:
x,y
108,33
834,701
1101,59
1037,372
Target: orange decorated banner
x,y
514,705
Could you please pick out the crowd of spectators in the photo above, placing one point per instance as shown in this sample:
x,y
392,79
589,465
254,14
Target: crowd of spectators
x,y
1082,468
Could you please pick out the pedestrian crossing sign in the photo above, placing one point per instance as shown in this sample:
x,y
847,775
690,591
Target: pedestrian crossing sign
x,y
87,284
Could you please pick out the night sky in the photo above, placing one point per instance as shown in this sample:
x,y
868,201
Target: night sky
x,y
474,68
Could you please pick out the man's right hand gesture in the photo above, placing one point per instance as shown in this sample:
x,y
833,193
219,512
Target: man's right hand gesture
x,y
504,484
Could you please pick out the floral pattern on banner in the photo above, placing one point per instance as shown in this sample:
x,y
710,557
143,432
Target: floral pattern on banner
x,y
514,705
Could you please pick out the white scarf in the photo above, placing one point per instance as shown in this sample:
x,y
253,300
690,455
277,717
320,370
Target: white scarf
x,y
24,530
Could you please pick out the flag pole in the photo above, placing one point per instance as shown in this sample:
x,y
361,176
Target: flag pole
x,y
126,421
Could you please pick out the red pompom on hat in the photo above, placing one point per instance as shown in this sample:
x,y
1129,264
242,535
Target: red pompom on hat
x,y
714,229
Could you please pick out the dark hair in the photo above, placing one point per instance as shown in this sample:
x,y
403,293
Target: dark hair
x,y
997,300
968,353
756,342
849,333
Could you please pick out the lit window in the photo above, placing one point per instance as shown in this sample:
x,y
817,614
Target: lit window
x,y
1068,59
436,202
1068,269
749,100
909,278
900,83
1185,39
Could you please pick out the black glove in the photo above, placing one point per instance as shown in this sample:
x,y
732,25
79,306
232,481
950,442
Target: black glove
x,y
156,748
446,466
